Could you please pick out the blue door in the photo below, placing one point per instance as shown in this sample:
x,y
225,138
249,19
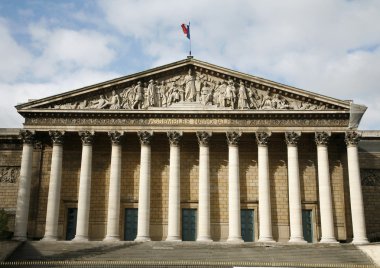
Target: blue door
x,y
189,224
71,226
130,224
247,226
307,225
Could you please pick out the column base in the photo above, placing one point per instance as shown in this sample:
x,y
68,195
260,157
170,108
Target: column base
x,y
235,240
80,238
266,240
142,239
110,238
49,238
204,239
360,241
19,238
297,240
328,241
173,239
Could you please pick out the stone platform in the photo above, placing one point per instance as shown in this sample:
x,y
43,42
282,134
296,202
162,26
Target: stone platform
x,y
184,254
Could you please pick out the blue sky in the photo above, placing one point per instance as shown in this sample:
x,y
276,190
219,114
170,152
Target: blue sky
x,y
328,47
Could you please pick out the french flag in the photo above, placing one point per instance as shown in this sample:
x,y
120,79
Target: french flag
x,y
186,30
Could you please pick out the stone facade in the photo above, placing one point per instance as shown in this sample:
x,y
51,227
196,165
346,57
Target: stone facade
x,y
220,153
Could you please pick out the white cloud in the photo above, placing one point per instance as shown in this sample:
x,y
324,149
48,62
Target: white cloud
x,y
68,50
14,59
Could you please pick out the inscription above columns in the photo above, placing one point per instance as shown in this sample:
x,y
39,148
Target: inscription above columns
x,y
145,137
203,138
57,136
322,138
175,137
262,138
87,137
352,138
116,137
27,136
291,138
233,137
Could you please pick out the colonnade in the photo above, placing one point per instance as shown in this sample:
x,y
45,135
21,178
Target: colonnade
x,y
204,226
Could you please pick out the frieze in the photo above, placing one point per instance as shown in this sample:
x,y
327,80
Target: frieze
x,y
192,86
259,122
9,174
370,177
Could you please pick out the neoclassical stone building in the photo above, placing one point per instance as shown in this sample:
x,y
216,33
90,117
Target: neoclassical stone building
x,y
187,151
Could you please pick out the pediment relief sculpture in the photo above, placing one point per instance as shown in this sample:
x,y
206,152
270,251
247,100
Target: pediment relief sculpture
x,y
197,87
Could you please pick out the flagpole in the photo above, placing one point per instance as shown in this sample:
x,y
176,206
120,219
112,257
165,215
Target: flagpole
x,y
190,40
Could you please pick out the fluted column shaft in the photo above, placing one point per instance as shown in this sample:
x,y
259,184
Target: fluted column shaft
x,y
23,195
113,214
143,218
174,212
84,187
54,196
265,216
295,207
325,193
234,227
204,226
356,196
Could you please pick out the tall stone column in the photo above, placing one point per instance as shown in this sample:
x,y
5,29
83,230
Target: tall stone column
x,y
84,187
54,196
356,196
295,207
265,216
204,226
234,227
23,196
143,220
174,211
113,214
325,193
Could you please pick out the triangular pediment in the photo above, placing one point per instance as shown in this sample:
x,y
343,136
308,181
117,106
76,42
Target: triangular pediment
x,y
187,85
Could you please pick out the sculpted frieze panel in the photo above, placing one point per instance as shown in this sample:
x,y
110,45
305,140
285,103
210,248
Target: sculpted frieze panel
x,y
193,86
191,122
9,174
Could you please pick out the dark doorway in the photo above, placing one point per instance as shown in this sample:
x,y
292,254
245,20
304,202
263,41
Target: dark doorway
x,y
130,224
307,225
189,224
247,225
71,226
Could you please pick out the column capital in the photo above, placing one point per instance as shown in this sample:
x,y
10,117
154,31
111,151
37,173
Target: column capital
x,y
233,138
57,136
203,137
87,137
262,138
352,138
116,137
292,137
175,137
322,138
27,136
145,137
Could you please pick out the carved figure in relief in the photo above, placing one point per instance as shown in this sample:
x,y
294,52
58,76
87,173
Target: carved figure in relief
x,y
283,103
114,101
138,96
190,91
100,103
153,94
207,94
230,96
162,91
175,94
267,103
243,99
220,93
254,98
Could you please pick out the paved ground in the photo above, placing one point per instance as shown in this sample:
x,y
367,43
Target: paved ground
x,y
184,254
